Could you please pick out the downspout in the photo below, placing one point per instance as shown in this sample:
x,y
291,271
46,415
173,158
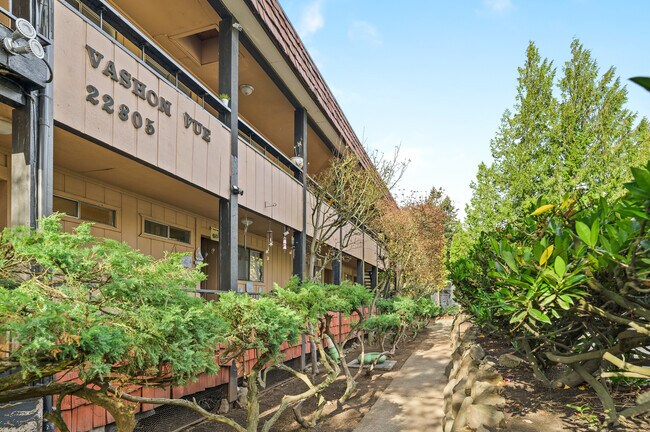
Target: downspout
x,y
43,165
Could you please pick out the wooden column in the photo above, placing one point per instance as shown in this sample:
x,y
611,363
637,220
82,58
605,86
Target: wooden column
x,y
24,165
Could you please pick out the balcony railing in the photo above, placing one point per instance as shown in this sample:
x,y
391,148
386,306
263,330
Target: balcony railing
x,y
106,19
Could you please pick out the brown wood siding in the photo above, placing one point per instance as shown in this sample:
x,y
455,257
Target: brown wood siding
x,y
278,264
172,147
130,209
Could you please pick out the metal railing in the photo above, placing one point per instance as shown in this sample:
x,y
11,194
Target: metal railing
x,y
108,21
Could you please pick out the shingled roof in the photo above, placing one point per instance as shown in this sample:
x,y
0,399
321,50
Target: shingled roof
x,y
275,22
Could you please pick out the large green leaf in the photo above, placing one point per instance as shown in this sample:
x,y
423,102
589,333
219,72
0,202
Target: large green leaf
x,y
593,236
560,266
642,177
642,81
539,315
519,317
563,304
584,232
509,258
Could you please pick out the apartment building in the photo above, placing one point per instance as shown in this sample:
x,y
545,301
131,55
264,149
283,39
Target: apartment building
x,y
190,126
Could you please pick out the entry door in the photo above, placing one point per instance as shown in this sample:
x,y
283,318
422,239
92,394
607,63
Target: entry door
x,y
210,252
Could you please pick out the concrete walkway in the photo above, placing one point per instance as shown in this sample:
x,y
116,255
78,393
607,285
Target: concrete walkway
x,y
413,401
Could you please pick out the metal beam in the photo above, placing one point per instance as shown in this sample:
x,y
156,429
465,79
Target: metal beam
x,y
228,83
11,93
336,271
360,273
229,214
373,277
300,237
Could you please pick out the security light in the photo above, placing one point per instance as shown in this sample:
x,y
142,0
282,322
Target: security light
x,y
23,40
24,30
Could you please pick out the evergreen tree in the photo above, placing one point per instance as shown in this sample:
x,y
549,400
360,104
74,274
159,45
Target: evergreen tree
x,y
572,135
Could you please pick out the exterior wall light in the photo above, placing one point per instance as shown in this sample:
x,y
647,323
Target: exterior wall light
x,y
23,40
297,158
246,89
297,161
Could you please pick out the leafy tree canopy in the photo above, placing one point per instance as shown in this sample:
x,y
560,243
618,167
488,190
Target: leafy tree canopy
x,y
564,135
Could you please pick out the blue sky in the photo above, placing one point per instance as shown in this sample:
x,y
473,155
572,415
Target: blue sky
x,y
437,75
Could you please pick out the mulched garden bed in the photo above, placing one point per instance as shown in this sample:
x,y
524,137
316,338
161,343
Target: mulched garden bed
x,y
532,407
369,388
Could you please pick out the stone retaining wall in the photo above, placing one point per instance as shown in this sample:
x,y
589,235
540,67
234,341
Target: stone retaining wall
x,y
472,399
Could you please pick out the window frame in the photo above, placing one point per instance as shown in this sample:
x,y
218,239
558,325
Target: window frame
x,y
92,203
169,226
248,265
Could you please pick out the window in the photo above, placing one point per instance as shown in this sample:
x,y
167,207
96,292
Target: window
x,y
67,206
250,264
97,214
166,231
84,210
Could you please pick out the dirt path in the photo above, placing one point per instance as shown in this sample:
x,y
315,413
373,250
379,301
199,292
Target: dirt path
x,y
413,401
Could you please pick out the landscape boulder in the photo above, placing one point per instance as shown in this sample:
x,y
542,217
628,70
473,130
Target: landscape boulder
x,y
510,360
484,415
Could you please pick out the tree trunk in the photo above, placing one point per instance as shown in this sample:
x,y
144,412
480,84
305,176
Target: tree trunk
x,y
253,409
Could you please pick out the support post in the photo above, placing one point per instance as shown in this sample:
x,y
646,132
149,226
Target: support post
x,y
373,277
24,165
229,218
336,271
228,83
360,273
225,251
337,262
300,237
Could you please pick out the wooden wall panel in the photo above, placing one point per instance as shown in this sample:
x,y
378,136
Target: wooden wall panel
x,y
147,145
248,173
172,147
221,140
131,209
69,105
166,132
370,254
244,181
184,151
200,150
355,247
124,134
97,123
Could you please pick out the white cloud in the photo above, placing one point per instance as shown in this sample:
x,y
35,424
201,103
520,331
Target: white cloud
x,y
311,19
364,32
498,5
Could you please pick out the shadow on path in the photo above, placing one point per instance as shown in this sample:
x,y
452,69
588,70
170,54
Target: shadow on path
x,y
413,401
